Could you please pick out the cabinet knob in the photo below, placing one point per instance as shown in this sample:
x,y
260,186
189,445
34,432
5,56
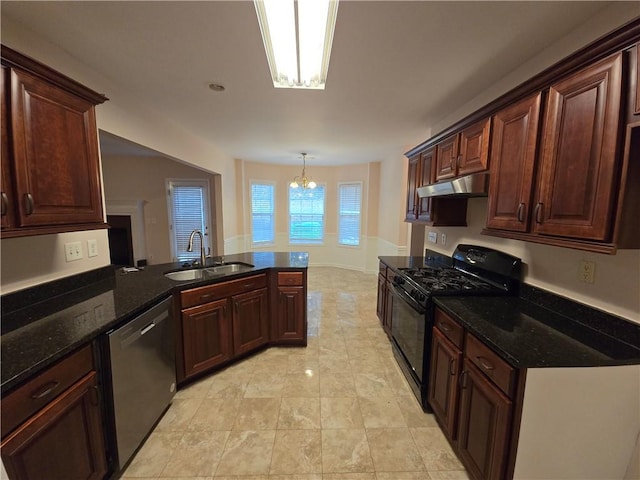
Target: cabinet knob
x,y
452,366
28,203
521,212
538,212
5,203
463,379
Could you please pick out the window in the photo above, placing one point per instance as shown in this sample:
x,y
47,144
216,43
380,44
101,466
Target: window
x,y
188,211
349,202
306,215
262,208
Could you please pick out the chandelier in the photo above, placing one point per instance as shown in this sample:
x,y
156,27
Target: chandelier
x,y
304,181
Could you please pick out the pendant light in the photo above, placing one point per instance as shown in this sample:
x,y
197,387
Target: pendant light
x,y
303,181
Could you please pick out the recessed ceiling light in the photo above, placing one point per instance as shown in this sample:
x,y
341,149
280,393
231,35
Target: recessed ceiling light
x,y
217,87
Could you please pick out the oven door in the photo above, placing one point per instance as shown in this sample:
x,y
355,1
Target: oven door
x,y
408,326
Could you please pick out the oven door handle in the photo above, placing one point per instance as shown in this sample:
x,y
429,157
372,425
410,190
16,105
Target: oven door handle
x,y
401,294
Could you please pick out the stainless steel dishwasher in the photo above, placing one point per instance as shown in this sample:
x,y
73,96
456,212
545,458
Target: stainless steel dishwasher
x,y
143,375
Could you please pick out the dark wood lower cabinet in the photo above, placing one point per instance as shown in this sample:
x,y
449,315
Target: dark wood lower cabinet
x,y
62,441
206,333
484,423
443,381
250,321
290,322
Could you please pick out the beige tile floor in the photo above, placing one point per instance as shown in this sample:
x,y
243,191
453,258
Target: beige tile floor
x,y
338,409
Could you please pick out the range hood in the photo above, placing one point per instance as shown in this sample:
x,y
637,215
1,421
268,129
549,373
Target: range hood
x,y
474,185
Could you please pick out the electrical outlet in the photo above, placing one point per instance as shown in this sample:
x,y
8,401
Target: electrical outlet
x,y
92,248
443,239
73,251
587,271
433,237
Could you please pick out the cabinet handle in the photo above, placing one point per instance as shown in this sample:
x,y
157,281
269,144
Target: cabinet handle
x,y
5,204
249,285
28,203
537,212
205,296
520,212
45,390
459,161
484,363
451,164
452,366
445,327
95,395
463,379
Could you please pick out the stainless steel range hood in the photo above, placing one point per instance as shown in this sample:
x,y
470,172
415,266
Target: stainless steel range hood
x,y
474,185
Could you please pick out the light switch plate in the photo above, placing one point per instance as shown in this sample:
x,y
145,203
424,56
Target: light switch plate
x,y
92,248
73,251
433,237
587,271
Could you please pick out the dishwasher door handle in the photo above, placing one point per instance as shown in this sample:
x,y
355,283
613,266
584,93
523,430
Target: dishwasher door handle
x,y
130,335
147,328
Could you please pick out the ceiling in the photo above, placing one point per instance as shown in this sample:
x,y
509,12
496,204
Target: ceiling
x,y
396,67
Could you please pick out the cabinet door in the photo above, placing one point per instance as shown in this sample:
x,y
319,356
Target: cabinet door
x,y
637,109
427,163
577,182
412,185
290,320
35,450
55,152
388,308
6,193
474,148
443,381
483,425
513,154
380,310
446,158
206,335
250,321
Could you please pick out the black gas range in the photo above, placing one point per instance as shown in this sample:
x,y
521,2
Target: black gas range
x,y
471,270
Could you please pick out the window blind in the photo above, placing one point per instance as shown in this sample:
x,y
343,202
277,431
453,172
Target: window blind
x,y
306,215
349,204
188,215
262,218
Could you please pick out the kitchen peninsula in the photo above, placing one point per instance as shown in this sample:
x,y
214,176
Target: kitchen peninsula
x,y
53,347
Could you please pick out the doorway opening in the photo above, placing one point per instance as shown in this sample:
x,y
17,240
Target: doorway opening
x,y
120,240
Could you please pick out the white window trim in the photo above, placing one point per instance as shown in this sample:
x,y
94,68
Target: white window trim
x,y
275,212
342,245
317,243
200,182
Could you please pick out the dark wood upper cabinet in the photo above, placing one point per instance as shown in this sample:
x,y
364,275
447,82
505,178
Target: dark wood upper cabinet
x,y
427,164
6,218
474,148
513,155
464,153
412,186
446,158
578,162
51,150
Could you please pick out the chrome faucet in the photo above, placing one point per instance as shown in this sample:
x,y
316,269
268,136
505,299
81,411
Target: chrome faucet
x,y
203,257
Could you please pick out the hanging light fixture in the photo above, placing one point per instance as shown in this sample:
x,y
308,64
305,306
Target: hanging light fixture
x,y
297,37
303,181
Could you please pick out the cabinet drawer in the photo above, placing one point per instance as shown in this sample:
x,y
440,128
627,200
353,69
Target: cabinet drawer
x,y
198,296
449,328
489,363
26,400
290,278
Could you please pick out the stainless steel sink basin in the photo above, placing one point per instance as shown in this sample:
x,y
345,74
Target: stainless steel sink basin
x,y
230,268
191,274
210,272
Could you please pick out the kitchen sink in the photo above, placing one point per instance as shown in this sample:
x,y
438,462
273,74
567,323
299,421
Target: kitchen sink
x,y
209,272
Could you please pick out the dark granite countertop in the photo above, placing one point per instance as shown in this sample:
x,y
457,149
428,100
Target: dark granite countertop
x,y
38,331
538,328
